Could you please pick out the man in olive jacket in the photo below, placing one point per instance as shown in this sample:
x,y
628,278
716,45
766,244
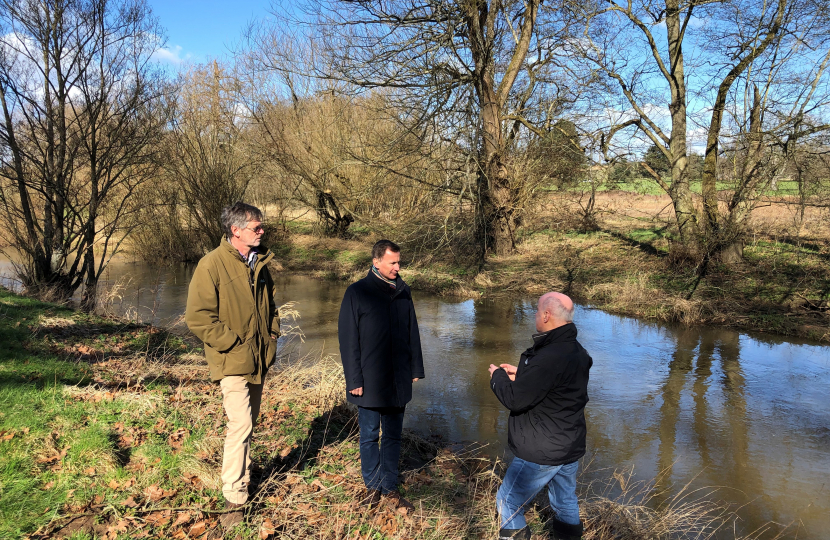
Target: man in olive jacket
x,y
546,395
380,347
231,308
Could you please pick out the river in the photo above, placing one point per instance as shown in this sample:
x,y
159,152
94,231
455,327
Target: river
x,y
708,407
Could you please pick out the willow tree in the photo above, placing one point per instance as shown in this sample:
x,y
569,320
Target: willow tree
x,y
477,76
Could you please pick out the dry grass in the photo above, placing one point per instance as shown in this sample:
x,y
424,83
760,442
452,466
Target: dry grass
x,y
454,491
154,469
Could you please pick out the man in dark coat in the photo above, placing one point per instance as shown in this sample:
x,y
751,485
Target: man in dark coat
x,y
381,352
546,395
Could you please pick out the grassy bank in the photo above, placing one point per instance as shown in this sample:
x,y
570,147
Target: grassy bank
x,y
112,430
624,267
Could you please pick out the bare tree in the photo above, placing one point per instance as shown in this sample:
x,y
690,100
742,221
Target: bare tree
x,y
80,99
206,150
346,157
642,48
475,76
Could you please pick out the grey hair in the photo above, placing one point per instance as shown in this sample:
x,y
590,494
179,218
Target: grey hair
x,y
382,246
553,305
238,215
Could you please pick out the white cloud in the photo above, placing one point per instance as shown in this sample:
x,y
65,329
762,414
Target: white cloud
x,y
170,55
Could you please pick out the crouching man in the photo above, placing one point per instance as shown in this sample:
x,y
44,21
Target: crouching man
x,y
546,394
231,308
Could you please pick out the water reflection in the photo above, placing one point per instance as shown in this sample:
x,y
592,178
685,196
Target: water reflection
x,y
706,406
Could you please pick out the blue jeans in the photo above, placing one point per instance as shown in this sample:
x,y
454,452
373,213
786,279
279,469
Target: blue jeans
x,y
524,480
379,466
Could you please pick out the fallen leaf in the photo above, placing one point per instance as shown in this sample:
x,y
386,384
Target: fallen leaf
x,y
267,529
25,431
154,493
90,471
285,451
159,519
113,484
130,502
182,517
49,484
128,483
176,439
49,459
197,528
401,511
8,436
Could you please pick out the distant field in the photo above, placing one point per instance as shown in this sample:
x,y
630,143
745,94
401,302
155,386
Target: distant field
x,y
647,186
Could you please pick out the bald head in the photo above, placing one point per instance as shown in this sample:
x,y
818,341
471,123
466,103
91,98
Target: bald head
x,y
554,310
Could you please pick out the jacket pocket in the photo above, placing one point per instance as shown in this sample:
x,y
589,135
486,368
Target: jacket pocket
x,y
240,359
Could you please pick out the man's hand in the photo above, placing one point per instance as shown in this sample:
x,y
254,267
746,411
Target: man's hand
x,y
511,370
357,391
415,379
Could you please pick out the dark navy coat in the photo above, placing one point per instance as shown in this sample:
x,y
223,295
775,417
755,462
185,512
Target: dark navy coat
x,y
547,400
380,345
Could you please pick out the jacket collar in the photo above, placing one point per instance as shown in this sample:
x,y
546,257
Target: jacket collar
x,y
400,285
263,253
565,332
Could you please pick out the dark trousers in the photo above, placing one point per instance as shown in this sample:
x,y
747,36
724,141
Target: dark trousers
x,y
379,463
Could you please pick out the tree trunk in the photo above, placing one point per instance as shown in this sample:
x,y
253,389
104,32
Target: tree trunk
x,y
496,217
715,237
90,275
680,193
732,254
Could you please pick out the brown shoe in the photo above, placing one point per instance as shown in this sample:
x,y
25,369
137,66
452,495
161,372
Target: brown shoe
x,y
399,501
234,517
370,498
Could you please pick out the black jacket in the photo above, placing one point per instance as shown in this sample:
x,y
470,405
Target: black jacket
x,y
380,345
547,399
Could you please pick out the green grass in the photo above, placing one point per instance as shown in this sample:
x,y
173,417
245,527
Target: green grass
x,y
64,445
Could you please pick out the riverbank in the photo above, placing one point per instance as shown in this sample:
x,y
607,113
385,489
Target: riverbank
x,y
623,268
112,430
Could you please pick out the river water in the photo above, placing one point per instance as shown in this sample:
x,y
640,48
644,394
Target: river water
x,y
704,407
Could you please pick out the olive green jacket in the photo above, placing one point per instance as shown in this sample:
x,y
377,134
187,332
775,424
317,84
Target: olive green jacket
x,y
234,320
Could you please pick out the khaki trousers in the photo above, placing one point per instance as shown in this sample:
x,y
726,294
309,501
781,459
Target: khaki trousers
x,y
241,400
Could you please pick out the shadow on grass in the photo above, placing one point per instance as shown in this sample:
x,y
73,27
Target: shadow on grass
x,y
645,247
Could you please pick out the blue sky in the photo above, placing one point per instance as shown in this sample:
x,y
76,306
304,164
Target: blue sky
x,y
199,30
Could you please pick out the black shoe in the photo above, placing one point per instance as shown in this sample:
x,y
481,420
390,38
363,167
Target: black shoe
x,y
370,498
566,531
515,534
